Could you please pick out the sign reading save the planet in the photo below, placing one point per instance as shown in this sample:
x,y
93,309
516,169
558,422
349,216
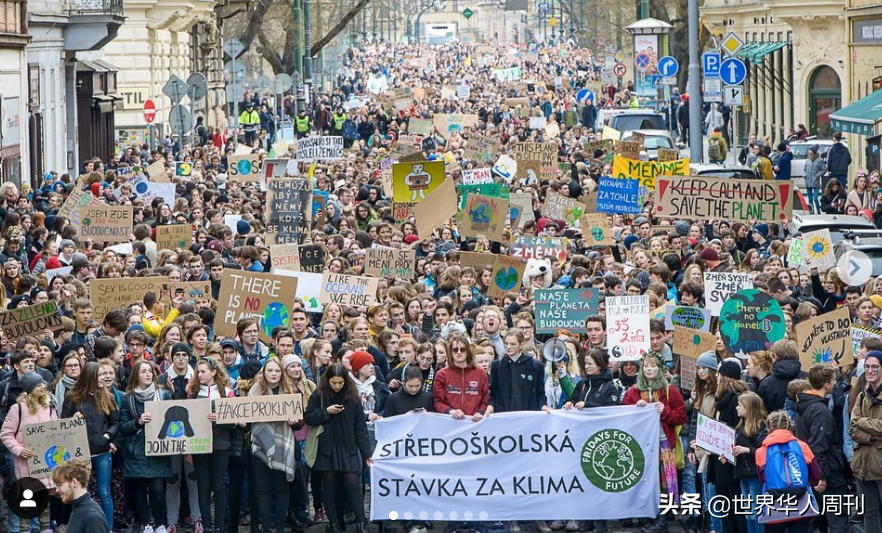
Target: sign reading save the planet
x,y
687,317
54,443
507,272
751,320
178,427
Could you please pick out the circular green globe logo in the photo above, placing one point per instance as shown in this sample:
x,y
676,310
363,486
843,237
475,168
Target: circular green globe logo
x,y
597,234
612,460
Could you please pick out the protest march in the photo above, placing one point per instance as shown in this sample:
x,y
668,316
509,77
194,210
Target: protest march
x,y
463,309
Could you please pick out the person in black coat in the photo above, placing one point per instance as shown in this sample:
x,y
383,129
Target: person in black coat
x,y
720,470
410,397
816,427
343,444
72,480
785,368
597,388
517,380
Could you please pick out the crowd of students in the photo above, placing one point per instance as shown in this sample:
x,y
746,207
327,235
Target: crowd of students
x,y
437,342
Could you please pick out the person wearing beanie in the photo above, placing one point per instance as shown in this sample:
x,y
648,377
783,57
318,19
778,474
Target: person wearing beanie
x,y
373,392
783,163
233,361
682,228
243,227
11,435
179,373
653,391
711,259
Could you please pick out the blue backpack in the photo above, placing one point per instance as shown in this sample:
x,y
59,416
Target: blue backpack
x,y
786,471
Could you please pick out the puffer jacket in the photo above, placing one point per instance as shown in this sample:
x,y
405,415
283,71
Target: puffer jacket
x,y
596,391
866,432
136,463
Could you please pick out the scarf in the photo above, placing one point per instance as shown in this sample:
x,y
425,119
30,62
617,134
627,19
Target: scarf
x,y
208,392
188,375
366,393
274,444
64,385
145,395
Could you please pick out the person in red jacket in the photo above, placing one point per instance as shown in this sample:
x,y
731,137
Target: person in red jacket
x,y
461,388
653,389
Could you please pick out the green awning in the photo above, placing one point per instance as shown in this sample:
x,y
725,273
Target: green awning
x,y
747,49
862,117
755,51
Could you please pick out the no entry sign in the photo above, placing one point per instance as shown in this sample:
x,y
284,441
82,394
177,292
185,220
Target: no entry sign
x,y
149,111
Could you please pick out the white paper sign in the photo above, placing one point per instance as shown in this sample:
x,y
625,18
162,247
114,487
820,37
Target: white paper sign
x,y
720,286
506,167
477,176
537,123
627,327
715,437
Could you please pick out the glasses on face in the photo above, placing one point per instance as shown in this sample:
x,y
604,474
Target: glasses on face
x,y
458,349
136,344
872,368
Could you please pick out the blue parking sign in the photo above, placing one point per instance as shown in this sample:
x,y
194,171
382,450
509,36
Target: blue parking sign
x,y
710,64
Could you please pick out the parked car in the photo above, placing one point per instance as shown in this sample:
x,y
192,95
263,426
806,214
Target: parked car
x,y
653,140
840,226
625,120
714,170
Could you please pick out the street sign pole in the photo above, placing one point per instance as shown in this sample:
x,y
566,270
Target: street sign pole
x,y
696,149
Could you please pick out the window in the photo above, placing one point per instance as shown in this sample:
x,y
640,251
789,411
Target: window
x,y
111,82
34,85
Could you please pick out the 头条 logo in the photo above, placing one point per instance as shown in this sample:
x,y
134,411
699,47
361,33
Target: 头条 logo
x,y
613,460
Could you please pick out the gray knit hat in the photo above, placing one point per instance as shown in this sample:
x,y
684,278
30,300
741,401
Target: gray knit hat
x,y
708,360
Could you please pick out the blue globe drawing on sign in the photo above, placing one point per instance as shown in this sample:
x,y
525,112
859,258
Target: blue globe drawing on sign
x,y
244,166
175,430
275,314
141,187
56,455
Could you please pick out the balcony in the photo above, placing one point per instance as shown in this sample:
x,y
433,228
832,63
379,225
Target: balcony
x,y
92,24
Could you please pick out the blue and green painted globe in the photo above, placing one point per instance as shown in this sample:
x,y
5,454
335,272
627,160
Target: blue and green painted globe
x,y
175,430
56,455
275,314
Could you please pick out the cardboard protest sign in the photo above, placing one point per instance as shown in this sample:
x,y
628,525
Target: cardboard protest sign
x,y
526,247
627,330
313,257
646,171
71,207
481,149
309,286
859,333
817,249
420,126
507,274
354,291
668,154
618,196
288,210
106,223
32,321
681,316
156,171
596,230
244,168
558,309
560,207
545,153
795,254
724,199
438,208
477,260
476,176
390,262
190,291
54,443
115,293
495,190
687,372
484,215
610,134
629,150
714,436
520,209
412,182
403,210
275,408
284,257
445,124
266,297
320,148
692,342
826,338
184,170
174,236
751,320
178,427
720,286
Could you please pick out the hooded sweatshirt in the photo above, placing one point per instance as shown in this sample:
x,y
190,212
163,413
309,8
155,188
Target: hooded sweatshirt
x,y
773,389
817,427
466,389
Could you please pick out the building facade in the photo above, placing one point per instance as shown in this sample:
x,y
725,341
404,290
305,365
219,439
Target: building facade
x,y
864,66
795,55
13,91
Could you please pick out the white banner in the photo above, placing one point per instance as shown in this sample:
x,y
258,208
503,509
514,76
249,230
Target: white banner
x,y
518,466
324,148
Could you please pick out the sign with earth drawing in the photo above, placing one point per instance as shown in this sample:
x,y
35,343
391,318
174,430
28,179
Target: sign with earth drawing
x,y
751,320
54,443
687,317
507,274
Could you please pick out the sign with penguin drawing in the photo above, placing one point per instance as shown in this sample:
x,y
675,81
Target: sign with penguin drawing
x,y
413,181
177,427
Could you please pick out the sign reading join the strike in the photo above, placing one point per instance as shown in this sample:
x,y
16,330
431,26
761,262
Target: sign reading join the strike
x,y
321,148
276,408
627,327
32,321
266,297
559,309
724,199
343,289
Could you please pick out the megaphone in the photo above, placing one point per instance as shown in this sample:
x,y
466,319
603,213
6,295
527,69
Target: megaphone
x,y
554,351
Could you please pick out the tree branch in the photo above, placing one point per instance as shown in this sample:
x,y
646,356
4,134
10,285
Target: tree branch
x,y
255,23
270,55
340,26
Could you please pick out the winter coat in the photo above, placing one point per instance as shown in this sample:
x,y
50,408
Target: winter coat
x,y
816,427
865,430
838,159
86,517
814,171
136,463
97,423
773,389
745,464
347,429
783,164
724,473
855,199
373,394
466,389
13,438
596,391
502,380
674,413
402,402
829,301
